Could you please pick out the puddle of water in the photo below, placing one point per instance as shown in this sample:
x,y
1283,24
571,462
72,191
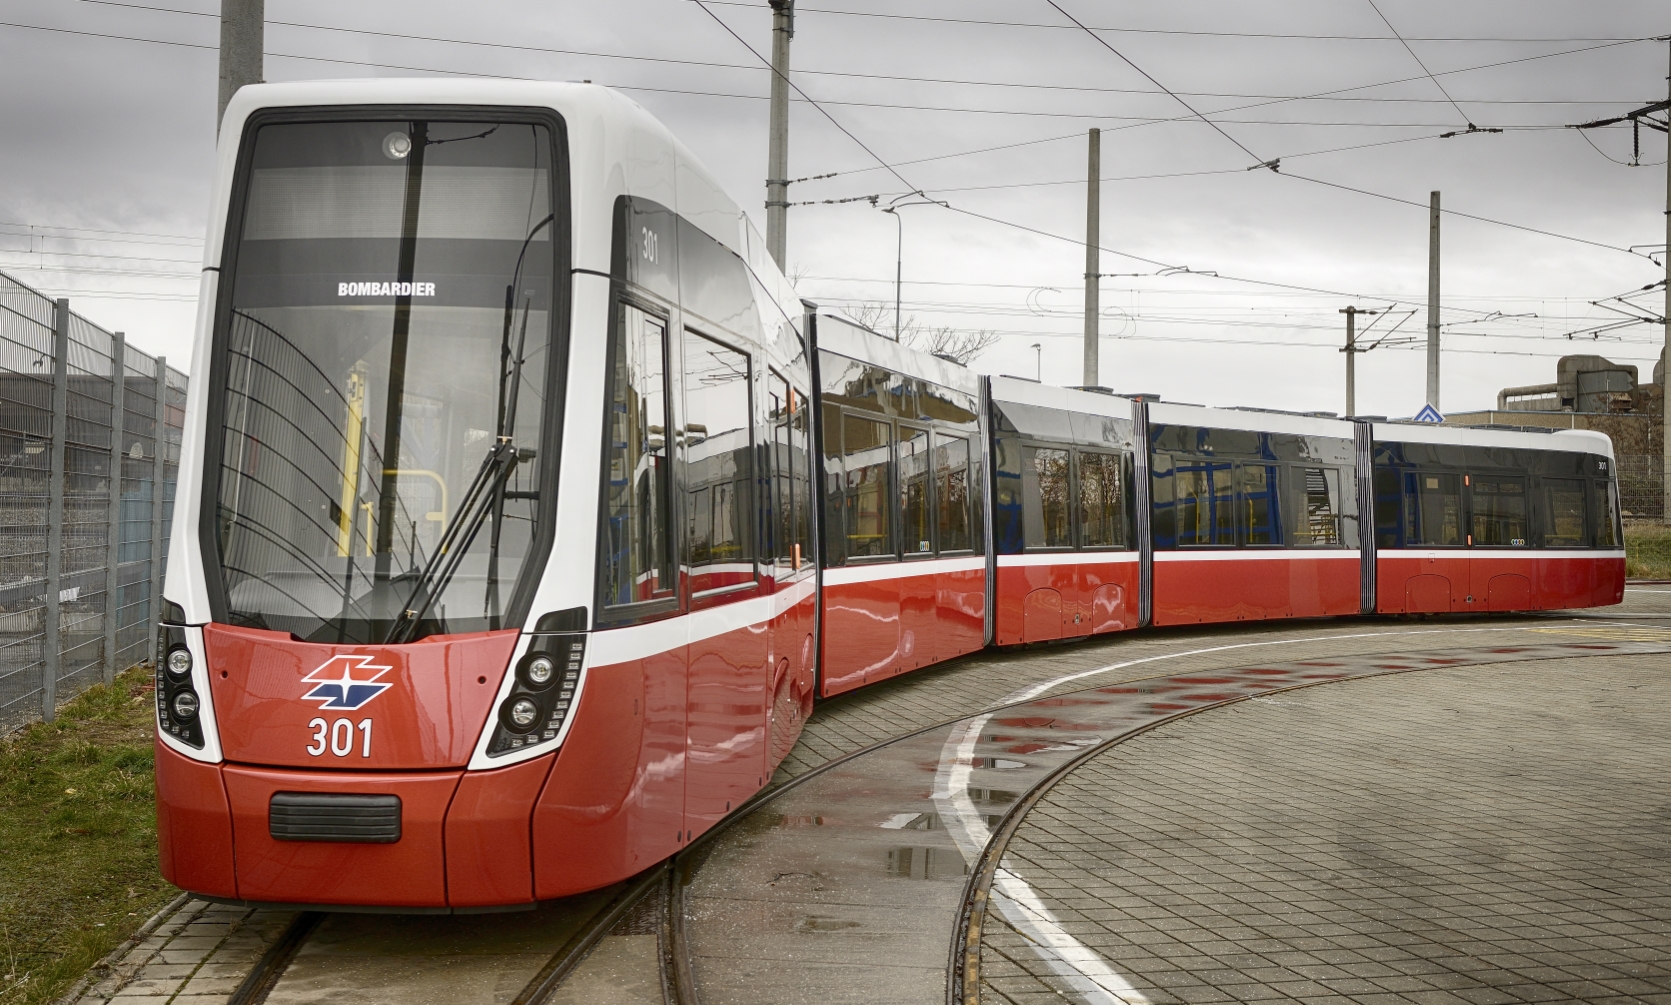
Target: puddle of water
x,y
926,863
1000,763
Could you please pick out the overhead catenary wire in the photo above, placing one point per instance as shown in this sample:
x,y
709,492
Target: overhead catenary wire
x,y
884,165
1162,31
797,89
1123,58
1418,59
522,47
1136,122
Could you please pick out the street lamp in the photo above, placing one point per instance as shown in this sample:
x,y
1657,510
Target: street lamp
x,y
894,207
1038,363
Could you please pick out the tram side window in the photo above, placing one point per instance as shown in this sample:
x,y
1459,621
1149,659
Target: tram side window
x,y
951,483
835,477
1006,496
1204,493
1563,513
1389,511
1102,510
915,474
1317,493
638,538
777,516
1044,497
719,464
1499,511
867,446
800,477
1163,520
1260,514
1433,509
1608,532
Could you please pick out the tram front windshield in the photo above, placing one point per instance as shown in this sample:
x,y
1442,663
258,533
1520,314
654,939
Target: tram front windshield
x,y
385,362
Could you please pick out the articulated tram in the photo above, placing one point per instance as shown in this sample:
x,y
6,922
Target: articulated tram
x,y
525,511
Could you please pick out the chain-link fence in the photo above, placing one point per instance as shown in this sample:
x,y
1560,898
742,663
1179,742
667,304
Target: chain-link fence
x,y
83,523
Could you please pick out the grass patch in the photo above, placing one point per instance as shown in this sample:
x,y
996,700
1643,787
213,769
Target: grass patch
x,y
78,831
1647,551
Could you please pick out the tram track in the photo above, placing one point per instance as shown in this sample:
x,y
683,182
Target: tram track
x,y
960,965
623,899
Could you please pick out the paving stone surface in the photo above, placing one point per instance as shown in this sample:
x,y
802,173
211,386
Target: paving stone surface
x,y
972,683
196,955
1472,835
1645,598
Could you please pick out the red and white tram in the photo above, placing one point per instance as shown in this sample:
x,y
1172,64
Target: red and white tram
x,y
415,657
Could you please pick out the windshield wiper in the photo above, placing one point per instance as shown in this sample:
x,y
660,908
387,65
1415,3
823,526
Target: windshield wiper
x,y
509,384
478,502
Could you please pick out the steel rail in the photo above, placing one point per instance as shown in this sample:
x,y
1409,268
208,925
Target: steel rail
x,y
579,945
259,982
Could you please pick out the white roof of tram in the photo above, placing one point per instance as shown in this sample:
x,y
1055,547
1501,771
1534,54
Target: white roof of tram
x,y
1582,441
1069,399
839,335
615,148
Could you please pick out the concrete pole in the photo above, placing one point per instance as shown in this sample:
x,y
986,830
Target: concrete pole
x,y
1093,268
113,537
157,556
1351,358
51,641
242,31
1433,302
1665,366
777,156
1351,352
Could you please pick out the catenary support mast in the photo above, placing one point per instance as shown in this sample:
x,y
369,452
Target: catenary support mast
x,y
777,157
242,31
1433,302
1093,237
1351,352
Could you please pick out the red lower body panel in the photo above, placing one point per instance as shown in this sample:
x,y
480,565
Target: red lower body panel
x,y
614,803
891,618
194,825
1415,581
1226,586
490,855
408,873
1070,598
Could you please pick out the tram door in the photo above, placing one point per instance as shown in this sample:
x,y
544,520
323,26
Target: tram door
x,y
729,654
1469,534
1435,522
1500,561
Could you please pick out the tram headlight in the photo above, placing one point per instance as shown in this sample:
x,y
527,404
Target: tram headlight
x,y
396,146
521,714
538,672
179,662
185,706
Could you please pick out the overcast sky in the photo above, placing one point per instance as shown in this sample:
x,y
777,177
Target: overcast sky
x,y
115,134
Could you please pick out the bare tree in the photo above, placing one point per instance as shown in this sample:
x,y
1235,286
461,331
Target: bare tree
x,y
959,345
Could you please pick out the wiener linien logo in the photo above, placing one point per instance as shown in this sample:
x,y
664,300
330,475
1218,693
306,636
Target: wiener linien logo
x,y
346,683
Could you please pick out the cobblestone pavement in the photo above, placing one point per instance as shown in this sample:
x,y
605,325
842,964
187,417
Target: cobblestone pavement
x,y
971,683
1645,598
1470,835
197,955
